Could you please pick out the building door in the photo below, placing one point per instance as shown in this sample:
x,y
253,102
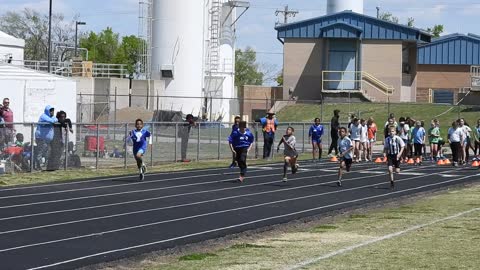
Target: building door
x,y
343,63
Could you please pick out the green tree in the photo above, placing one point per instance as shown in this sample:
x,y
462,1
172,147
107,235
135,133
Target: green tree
x,y
279,78
387,16
129,52
410,22
246,68
32,26
436,30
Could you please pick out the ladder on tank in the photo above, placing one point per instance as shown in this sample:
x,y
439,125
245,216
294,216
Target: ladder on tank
x,y
215,35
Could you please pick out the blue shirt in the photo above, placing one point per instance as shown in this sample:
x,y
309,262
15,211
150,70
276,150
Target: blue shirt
x,y
139,139
345,144
316,132
418,135
241,140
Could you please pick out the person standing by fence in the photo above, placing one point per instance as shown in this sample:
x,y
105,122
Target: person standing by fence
x,y
7,130
184,134
44,135
334,125
58,143
455,138
269,127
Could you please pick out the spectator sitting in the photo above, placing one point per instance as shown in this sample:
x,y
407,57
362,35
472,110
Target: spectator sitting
x,y
19,140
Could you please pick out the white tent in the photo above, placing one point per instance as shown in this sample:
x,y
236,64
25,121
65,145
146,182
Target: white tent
x,y
11,47
30,91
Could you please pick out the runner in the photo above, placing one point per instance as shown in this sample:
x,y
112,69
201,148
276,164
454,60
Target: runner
x,y
402,131
355,137
139,138
363,140
241,142
372,135
289,152
418,135
315,134
346,157
393,150
476,139
236,121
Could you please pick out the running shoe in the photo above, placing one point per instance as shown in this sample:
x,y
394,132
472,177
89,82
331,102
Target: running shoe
x,y
339,182
240,179
232,165
142,175
144,168
295,169
284,178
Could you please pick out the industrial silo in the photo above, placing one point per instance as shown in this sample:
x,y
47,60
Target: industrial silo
x,y
178,29
335,6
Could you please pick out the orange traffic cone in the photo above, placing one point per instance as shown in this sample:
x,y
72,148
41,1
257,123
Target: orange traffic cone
x,y
475,164
410,161
378,160
447,161
334,159
440,162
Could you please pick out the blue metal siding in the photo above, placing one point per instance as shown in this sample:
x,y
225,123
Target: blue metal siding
x,y
368,28
455,50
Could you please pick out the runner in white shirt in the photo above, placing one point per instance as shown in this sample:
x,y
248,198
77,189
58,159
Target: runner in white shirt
x,y
455,139
363,140
355,137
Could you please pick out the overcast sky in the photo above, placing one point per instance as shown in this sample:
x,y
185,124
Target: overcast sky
x,y
255,28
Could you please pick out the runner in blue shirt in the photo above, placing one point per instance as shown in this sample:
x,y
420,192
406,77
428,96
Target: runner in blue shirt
x,y
315,134
241,142
139,138
236,121
418,135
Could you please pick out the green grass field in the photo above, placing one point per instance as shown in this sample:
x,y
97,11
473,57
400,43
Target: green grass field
x,y
451,244
426,112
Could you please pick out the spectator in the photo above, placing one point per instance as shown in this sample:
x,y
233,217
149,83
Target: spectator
x,y
44,135
58,143
184,134
7,130
334,125
269,127
19,140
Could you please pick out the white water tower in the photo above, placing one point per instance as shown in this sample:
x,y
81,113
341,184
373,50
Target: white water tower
x,y
335,6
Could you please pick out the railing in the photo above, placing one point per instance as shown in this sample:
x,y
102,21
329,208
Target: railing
x,y
354,81
69,69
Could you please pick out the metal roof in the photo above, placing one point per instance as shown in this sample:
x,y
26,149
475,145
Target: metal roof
x,y
348,24
11,72
453,49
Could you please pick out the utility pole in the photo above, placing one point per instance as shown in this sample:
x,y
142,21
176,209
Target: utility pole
x,y
286,13
378,12
49,52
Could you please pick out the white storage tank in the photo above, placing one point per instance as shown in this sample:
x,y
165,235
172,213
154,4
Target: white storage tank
x,y
177,52
335,6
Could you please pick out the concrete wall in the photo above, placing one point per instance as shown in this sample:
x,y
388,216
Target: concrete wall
x,y
302,68
441,77
85,99
383,60
259,98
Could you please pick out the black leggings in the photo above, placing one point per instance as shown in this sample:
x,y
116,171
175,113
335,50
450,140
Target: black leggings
x,y
477,148
333,145
456,148
241,158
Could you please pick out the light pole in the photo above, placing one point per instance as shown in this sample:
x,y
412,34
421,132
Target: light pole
x,y
76,35
49,52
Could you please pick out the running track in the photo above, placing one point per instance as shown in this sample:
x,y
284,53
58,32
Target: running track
x,y
70,225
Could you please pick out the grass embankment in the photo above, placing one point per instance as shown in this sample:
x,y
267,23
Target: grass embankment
x,y
426,112
451,244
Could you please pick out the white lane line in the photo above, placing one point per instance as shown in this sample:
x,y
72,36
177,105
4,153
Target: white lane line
x,y
130,184
195,216
190,204
155,198
241,224
133,191
412,173
117,177
378,239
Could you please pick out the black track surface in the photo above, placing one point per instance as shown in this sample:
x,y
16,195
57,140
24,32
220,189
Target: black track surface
x,y
70,225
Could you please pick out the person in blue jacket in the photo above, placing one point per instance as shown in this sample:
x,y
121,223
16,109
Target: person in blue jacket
x,y
315,134
139,138
44,135
241,142
236,122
